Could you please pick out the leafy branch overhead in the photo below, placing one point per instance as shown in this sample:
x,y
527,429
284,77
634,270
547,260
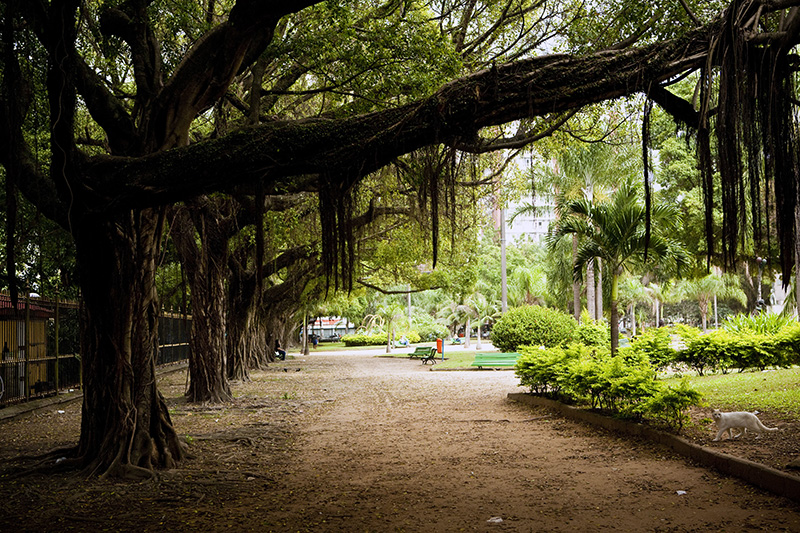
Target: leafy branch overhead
x,y
116,110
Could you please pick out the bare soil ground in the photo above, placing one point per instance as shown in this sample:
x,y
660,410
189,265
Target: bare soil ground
x,y
359,443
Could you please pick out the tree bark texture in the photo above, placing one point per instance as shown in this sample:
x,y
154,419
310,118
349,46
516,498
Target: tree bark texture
x,y
125,428
206,269
591,303
599,291
576,287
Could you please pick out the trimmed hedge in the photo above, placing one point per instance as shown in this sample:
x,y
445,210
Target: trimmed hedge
x,y
742,348
377,339
532,326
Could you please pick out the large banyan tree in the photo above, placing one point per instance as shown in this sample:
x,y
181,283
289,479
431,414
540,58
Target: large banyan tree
x,y
111,195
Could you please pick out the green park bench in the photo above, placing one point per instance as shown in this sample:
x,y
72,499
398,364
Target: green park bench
x,y
495,359
425,353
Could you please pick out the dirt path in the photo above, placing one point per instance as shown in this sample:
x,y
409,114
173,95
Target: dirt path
x,y
360,443
397,448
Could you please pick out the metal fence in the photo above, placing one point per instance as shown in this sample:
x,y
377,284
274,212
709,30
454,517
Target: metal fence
x,y
173,338
41,346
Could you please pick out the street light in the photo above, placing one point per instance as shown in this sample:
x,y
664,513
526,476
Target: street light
x,y
761,262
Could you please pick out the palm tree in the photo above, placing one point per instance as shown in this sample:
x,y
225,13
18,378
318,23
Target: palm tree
x,y
583,171
528,285
616,233
456,314
484,310
392,314
658,294
703,290
632,292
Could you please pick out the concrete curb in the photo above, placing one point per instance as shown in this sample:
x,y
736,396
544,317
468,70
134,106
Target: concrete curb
x,y
25,408
767,478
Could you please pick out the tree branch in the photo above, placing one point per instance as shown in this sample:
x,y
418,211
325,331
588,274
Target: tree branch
x,y
520,140
387,291
204,74
283,153
689,12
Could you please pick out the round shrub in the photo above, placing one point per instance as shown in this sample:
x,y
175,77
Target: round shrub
x,y
431,331
533,326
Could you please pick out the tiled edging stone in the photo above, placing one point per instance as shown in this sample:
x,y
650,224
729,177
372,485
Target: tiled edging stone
x,y
756,474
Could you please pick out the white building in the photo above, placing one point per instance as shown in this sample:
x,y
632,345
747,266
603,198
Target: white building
x,y
533,224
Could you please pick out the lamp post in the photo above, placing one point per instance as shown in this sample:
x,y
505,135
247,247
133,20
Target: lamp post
x,y
761,262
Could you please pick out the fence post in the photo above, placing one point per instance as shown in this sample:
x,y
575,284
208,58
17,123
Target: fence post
x,y
56,334
27,342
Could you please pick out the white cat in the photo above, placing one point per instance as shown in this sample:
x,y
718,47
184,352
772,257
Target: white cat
x,y
739,420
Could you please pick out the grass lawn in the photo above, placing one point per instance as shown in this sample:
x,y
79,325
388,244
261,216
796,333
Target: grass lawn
x,y
455,356
774,390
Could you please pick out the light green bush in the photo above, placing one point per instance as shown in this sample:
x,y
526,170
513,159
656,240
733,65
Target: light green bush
x,y
670,405
656,345
593,333
378,339
533,325
623,384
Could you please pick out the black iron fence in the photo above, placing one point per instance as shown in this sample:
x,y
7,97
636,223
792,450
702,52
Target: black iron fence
x,y
173,338
41,346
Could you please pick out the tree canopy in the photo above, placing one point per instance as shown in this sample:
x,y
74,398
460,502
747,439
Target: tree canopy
x,y
115,111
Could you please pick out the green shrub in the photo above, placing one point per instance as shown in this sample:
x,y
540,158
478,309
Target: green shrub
x,y
722,350
686,334
412,336
543,370
586,381
764,323
656,345
431,331
627,383
670,405
705,353
787,345
624,384
593,333
362,339
378,339
532,326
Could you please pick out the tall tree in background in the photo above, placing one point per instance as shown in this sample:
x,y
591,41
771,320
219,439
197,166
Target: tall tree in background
x,y
589,171
704,290
617,232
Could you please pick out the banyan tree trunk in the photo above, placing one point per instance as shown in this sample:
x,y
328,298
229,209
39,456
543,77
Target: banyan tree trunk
x,y
241,296
206,267
126,429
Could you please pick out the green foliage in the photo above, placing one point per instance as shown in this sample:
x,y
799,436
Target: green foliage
x,y
623,384
687,334
430,331
670,404
629,383
763,323
593,333
543,370
656,345
744,347
377,339
703,290
363,339
532,326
